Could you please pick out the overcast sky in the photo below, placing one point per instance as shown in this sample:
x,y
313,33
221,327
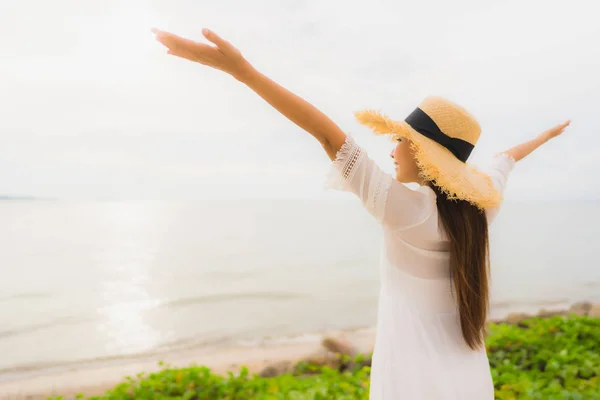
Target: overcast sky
x,y
92,108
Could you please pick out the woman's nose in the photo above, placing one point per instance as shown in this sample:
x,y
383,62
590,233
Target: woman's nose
x,y
392,154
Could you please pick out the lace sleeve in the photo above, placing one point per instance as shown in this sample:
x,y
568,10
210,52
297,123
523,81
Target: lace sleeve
x,y
353,171
499,170
347,161
389,201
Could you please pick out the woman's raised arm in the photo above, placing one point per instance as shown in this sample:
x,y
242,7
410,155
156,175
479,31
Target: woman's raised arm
x,y
522,150
225,57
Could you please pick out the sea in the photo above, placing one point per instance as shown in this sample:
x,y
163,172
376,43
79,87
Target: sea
x,y
93,280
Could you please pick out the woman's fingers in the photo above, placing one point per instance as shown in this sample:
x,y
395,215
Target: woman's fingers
x,y
185,55
224,56
186,48
223,45
564,124
173,41
558,129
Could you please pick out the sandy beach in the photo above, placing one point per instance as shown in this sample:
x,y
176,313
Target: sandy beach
x,y
95,377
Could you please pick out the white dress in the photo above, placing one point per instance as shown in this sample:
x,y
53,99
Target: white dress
x,y
419,350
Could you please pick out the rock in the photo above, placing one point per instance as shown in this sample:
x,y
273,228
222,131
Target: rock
x,y
551,313
581,308
340,345
276,369
345,353
323,357
515,318
594,311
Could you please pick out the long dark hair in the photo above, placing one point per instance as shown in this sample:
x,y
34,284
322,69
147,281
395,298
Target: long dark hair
x,y
467,230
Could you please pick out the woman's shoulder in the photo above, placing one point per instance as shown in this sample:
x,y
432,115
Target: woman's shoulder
x,y
427,191
417,204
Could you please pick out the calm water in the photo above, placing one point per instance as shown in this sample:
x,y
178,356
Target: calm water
x,y
83,280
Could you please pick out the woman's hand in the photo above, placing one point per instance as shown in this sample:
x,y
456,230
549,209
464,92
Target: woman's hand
x,y
555,131
224,56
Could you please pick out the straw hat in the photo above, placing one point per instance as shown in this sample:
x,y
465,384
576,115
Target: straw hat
x,y
443,134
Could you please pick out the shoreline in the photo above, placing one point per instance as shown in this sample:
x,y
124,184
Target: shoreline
x,y
95,379
26,371
96,376
500,312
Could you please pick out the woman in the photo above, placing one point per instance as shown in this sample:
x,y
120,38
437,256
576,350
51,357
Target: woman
x,y
434,293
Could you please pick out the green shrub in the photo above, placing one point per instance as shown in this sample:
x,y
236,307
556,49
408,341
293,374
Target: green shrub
x,y
552,359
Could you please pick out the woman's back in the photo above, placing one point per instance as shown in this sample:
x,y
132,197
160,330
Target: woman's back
x,y
420,351
419,338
